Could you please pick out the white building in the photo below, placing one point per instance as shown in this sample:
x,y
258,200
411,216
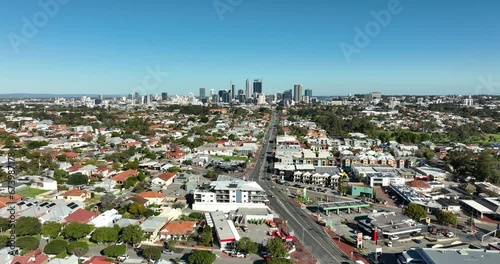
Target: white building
x,y
229,195
106,219
226,232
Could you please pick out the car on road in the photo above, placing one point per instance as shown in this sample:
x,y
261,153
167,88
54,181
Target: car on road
x,y
238,255
367,238
122,258
418,241
167,251
450,234
119,242
389,244
394,238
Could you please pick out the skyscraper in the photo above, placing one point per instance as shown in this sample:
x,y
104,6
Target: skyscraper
x,y
233,92
202,93
309,92
248,91
297,93
257,86
164,96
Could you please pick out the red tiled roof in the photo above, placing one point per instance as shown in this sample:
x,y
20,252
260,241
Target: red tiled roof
x,y
70,154
178,228
74,168
74,192
124,175
34,257
81,216
151,195
98,260
418,184
167,176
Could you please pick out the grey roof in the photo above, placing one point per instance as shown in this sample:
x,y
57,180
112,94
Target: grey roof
x,y
124,222
252,211
153,223
444,256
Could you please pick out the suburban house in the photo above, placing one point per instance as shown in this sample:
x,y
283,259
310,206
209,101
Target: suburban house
x,y
81,216
34,257
164,179
138,200
68,260
106,219
153,197
153,225
178,230
121,177
74,195
98,260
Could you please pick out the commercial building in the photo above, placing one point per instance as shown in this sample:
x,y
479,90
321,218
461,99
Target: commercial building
x,y
388,224
257,86
377,175
202,94
297,93
308,92
229,195
449,256
225,231
248,91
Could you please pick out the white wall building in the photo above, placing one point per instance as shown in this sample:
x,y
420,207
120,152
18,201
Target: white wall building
x,y
229,195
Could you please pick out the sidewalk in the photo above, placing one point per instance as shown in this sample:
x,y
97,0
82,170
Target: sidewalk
x,y
346,248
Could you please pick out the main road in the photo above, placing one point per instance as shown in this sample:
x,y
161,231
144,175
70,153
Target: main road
x,y
312,235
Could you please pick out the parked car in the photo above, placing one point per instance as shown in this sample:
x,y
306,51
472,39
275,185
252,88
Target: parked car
x,y
389,244
167,251
238,255
450,234
418,241
119,242
367,238
394,238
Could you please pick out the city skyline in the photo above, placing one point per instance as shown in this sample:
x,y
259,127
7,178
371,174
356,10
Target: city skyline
x,y
395,47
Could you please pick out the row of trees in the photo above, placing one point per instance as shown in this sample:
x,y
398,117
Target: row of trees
x,y
484,166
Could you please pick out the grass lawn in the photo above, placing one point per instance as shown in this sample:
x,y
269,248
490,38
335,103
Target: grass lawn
x,y
30,192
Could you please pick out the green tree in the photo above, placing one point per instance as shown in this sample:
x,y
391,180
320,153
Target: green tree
x,y
137,209
114,251
276,248
132,234
51,229
28,226
4,224
78,248
178,205
55,247
152,253
108,201
60,175
206,236
488,167
279,261
75,230
77,179
105,234
170,244
416,212
4,241
447,218
28,243
201,257
246,245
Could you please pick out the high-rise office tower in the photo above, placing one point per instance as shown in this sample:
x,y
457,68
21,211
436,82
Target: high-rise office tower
x,y
233,92
309,92
202,93
257,86
248,91
130,97
279,96
164,96
287,95
297,93
138,98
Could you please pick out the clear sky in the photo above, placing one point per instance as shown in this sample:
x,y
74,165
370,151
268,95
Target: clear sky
x,y
104,46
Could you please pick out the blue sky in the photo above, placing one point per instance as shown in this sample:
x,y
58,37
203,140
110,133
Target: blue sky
x,y
99,46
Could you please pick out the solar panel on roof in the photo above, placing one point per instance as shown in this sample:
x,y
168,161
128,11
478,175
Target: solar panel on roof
x,y
29,204
51,205
21,203
44,204
73,206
